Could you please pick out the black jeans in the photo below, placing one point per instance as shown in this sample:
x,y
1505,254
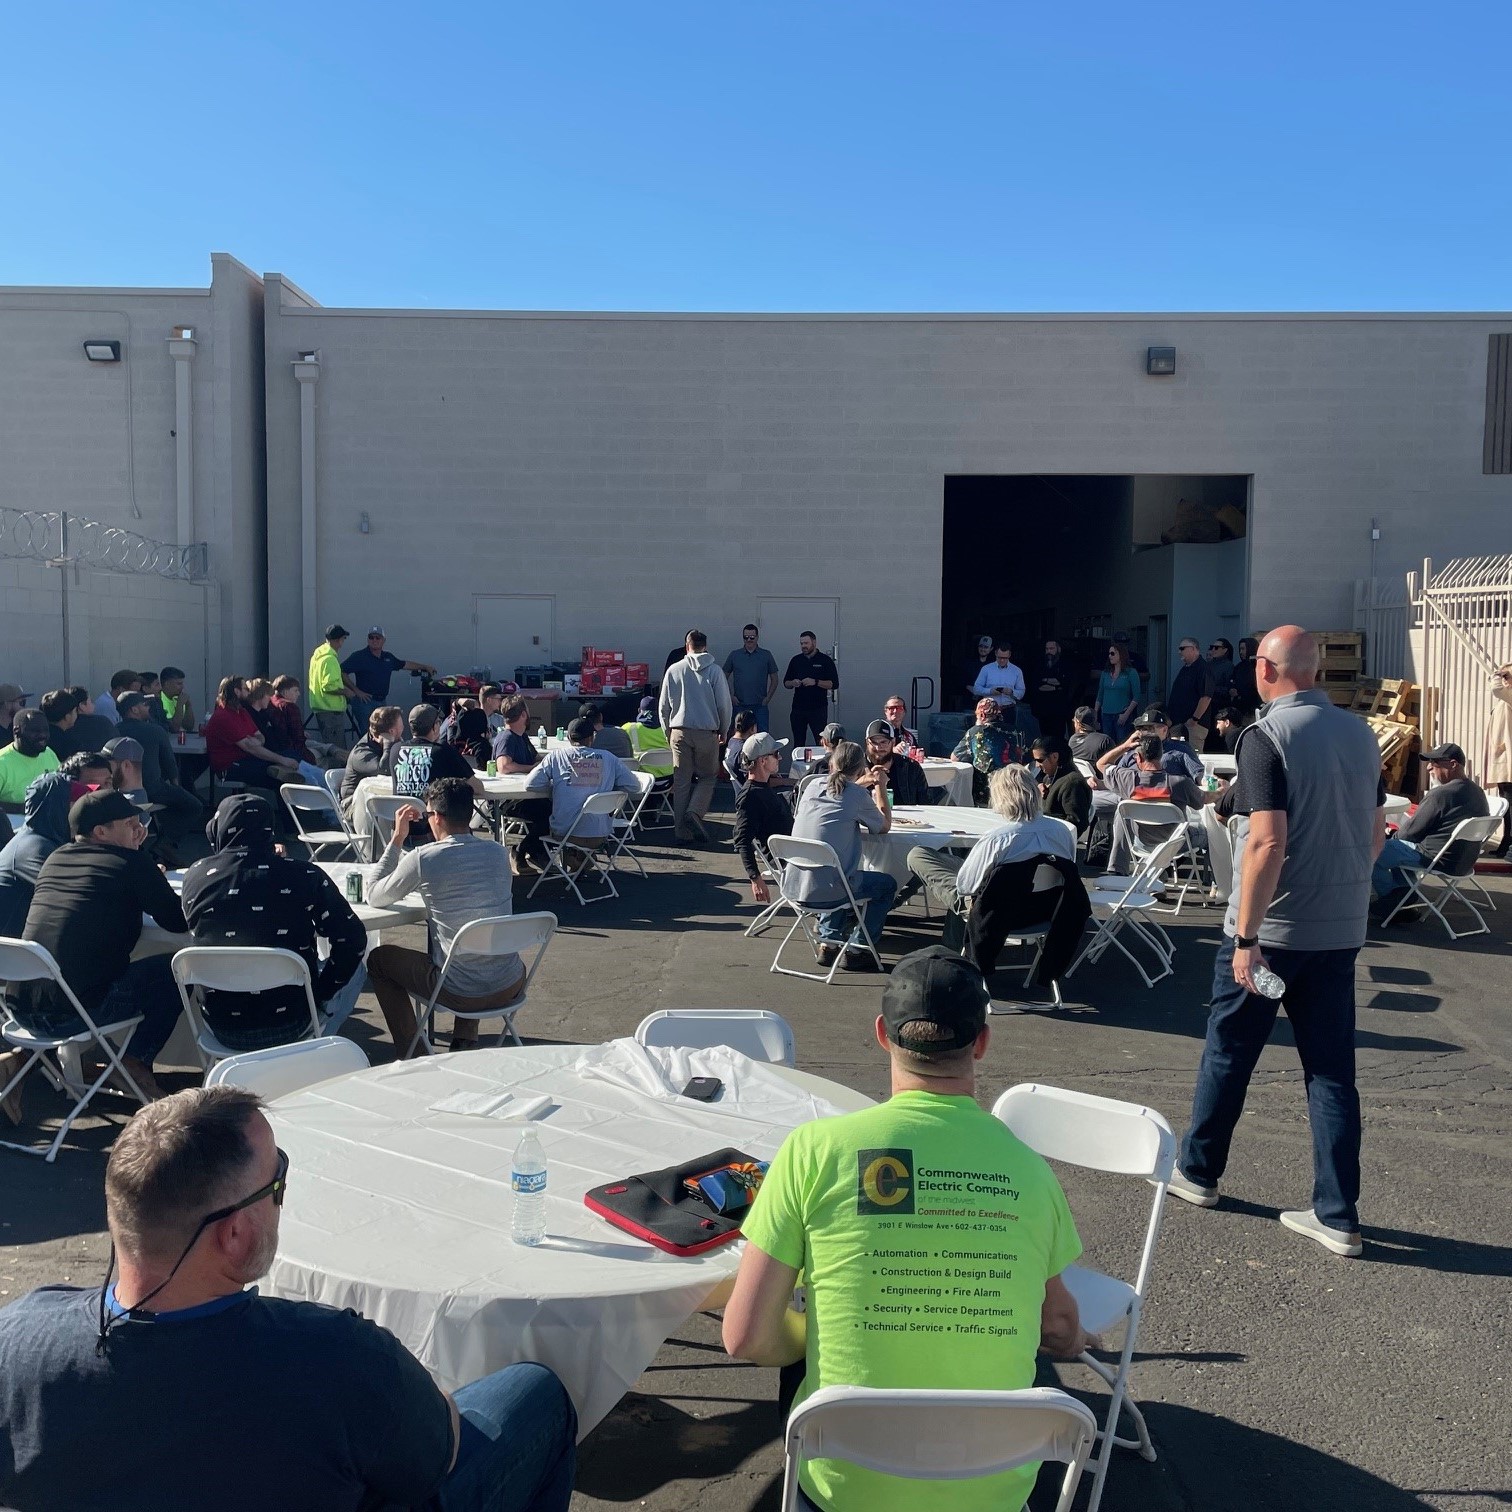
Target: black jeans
x,y
809,720
1320,1004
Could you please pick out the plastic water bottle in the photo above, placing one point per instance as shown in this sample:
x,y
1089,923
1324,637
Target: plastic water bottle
x,y
1268,984
541,736
527,1180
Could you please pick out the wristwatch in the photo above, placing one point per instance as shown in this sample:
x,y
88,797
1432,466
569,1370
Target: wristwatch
x,y
1246,942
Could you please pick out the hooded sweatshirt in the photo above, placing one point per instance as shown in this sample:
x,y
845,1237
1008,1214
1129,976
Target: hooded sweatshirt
x,y
695,695
247,894
45,829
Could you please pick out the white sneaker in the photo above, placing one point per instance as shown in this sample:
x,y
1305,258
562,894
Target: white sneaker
x,y
1189,1191
1305,1221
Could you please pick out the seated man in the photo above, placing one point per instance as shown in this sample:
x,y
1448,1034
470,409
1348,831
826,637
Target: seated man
x,y
182,811
12,697
369,756
462,877
193,1192
62,711
610,738
178,712
25,759
126,758
1226,727
902,775
287,717
1148,779
491,701
1087,741
988,745
86,911
572,776
124,681
1421,836
1063,790
1027,832
514,752
1176,756
48,801
246,892
86,770
421,760
894,712
90,730
838,1205
762,809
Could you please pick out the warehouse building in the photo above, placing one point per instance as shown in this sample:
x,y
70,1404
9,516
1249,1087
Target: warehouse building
x,y
501,488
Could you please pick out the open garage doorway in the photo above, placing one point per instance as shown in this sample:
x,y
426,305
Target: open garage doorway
x,y
1078,558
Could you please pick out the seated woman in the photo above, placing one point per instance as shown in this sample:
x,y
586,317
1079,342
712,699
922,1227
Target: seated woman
x,y
470,734
988,745
850,800
235,746
247,892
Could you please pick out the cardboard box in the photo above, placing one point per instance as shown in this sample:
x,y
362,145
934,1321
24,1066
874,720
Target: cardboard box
x,y
590,680
588,654
614,677
572,684
608,659
637,674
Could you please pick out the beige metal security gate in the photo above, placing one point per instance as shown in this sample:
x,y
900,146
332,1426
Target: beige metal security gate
x,y
1461,633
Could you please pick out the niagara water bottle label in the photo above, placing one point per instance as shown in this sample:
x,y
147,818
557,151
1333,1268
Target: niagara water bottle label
x,y
528,1181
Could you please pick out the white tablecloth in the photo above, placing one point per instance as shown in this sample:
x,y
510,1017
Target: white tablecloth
x,y
1396,807
954,775
1219,766
508,785
935,828
403,1212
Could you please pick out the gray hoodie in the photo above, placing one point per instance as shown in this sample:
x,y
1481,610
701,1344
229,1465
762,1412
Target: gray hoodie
x,y
46,828
695,696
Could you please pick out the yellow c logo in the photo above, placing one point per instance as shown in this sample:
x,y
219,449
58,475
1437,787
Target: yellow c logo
x,y
885,1181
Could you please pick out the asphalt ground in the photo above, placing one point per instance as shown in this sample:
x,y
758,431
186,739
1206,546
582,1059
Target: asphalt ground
x,y
1273,1375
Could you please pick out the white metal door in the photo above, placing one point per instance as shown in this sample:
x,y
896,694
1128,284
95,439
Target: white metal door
x,y
512,630
781,622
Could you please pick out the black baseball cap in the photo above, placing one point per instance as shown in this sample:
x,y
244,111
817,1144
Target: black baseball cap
x,y
1446,752
128,701
100,807
936,986
1152,716
879,729
336,632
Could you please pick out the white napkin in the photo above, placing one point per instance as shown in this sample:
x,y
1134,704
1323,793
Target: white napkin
x,y
504,1106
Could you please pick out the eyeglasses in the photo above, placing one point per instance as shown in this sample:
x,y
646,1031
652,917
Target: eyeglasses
x,y
1215,647
748,637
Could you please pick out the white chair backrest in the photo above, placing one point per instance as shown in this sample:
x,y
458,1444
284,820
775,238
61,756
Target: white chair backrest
x,y
503,934
239,968
1084,767
605,803
333,779
1141,811
26,961
309,799
1083,1129
644,782
1156,863
937,1435
1497,805
1473,833
755,1032
791,850
1046,878
288,1068
1220,849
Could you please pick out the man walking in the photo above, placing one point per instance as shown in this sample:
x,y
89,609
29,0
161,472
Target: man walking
x,y
812,676
1310,798
752,671
330,691
695,712
1191,692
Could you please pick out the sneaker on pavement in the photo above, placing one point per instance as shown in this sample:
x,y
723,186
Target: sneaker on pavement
x,y
1305,1221
827,954
1189,1191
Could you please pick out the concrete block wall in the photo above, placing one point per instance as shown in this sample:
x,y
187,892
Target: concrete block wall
x,y
653,472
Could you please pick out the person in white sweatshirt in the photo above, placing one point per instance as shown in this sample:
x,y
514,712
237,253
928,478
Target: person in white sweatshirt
x,y
695,711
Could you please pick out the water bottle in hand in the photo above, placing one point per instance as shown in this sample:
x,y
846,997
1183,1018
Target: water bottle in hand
x,y
527,1181
1267,983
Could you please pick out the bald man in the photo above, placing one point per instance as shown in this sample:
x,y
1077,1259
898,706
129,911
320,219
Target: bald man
x,y
1310,796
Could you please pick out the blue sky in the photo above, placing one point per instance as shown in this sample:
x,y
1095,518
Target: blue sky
x,y
819,156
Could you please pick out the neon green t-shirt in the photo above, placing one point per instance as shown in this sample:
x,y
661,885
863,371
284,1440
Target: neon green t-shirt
x,y
17,772
325,679
925,1232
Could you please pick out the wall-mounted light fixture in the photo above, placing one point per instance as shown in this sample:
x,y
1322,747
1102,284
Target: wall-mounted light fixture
x,y
310,356
1160,362
103,351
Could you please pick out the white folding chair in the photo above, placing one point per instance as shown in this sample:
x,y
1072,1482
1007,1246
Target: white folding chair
x,y
1046,879
317,820
1122,1139
658,765
771,874
383,810
505,934
199,969
625,827
1220,853
1472,834
1148,814
26,961
756,1032
1120,903
282,1069
570,860
796,856
938,1435
333,780
1084,767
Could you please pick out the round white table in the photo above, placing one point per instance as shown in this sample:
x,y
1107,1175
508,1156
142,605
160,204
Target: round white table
x,y
1219,766
1396,807
935,828
403,1211
954,776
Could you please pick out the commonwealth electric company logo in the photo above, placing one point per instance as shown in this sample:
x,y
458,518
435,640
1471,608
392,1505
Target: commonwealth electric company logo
x,y
884,1181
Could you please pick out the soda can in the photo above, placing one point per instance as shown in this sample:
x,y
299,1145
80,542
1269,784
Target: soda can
x,y
354,887
182,737
492,769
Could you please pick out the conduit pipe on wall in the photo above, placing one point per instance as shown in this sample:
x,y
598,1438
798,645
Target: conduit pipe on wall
x,y
182,347
307,371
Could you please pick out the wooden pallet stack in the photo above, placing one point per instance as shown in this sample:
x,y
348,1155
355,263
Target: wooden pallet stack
x,y
1341,663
